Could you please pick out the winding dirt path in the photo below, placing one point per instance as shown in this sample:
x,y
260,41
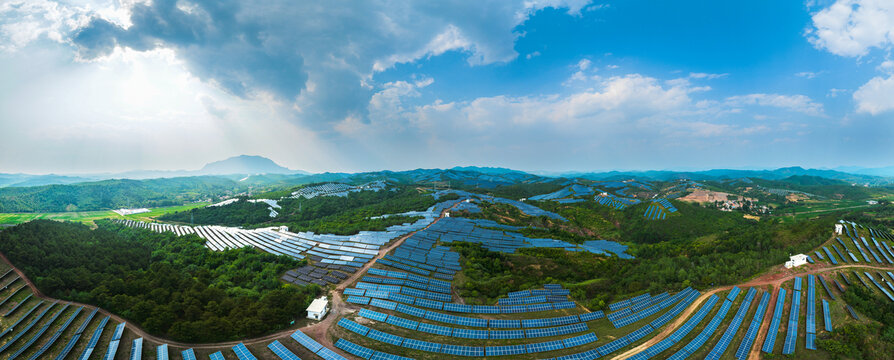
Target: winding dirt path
x,y
316,330
774,279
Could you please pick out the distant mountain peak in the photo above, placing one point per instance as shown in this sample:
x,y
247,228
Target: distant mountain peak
x,y
245,164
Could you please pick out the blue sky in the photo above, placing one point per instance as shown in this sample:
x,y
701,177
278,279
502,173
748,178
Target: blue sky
x,y
94,86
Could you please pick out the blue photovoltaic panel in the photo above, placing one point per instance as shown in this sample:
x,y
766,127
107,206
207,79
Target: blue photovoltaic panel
x,y
188,354
792,331
751,333
770,340
385,337
354,291
161,352
612,346
306,341
469,334
545,346
498,323
354,349
385,304
507,334
435,329
505,350
460,350
404,323
373,315
410,310
422,345
353,326
827,317
580,340
531,323
733,327
281,351
592,316
242,352
217,356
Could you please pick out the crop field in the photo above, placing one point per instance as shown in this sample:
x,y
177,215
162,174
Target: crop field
x,y
88,217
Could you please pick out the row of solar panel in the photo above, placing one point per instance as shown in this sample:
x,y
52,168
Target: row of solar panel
x,y
474,334
476,322
733,327
373,291
407,276
709,330
461,350
645,309
680,333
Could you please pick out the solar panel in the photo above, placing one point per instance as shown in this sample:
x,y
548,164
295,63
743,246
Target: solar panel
x,y
385,337
545,346
753,329
161,352
503,323
507,334
404,323
353,326
580,340
354,349
306,341
217,356
281,351
242,352
422,345
505,350
469,334
188,354
460,350
827,316
373,315
435,329
772,332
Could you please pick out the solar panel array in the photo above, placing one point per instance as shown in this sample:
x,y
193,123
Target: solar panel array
x,y
811,313
827,316
879,286
709,329
655,212
56,335
242,352
315,347
791,335
136,349
733,327
680,333
91,345
281,351
770,340
616,202
113,344
161,352
188,354
39,333
648,308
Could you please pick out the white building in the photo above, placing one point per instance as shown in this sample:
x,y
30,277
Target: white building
x,y
795,261
838,228
318,308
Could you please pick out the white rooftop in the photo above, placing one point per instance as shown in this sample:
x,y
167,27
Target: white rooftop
x,y
318,305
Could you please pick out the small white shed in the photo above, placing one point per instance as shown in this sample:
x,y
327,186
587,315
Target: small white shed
x,y
318,308
795,261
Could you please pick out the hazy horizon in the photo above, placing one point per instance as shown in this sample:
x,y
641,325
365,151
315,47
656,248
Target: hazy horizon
x,y
105,86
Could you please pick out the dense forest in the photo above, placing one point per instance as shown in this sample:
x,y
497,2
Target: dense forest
x,y
700,248
170,286
240,213
114,194
323,214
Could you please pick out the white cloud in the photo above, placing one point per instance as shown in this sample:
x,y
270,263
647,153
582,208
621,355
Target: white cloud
x,y
853,27
799,103
808,74
876,96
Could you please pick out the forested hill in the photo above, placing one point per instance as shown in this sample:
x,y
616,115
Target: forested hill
x,y
113,194
170,286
